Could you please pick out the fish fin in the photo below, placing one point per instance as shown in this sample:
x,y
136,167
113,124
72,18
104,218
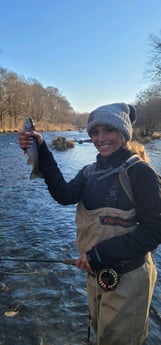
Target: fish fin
x,y
37,174
29,161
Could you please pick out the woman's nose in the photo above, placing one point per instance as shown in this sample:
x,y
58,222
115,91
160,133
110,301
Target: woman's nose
x,y
101,135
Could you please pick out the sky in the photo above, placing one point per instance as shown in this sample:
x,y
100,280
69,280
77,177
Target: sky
x,y
94,51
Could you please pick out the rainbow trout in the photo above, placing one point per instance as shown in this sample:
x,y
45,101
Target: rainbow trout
x,y
32,151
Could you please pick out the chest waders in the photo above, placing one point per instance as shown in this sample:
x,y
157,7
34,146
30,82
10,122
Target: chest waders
x,y
108,278
119,305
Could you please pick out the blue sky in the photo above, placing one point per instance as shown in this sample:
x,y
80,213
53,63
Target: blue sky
x,y
94,51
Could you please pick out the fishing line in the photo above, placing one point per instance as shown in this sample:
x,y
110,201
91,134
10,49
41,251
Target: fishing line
x,y
66,262
21,273
156,313
97,312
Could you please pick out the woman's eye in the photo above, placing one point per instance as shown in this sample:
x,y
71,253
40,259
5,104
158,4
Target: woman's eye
x,y
110,130
94,133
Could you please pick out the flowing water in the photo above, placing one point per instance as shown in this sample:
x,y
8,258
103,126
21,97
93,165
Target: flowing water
x,y
45,303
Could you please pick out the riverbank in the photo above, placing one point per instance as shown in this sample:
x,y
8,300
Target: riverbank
x,y
42,128
69,127
146,139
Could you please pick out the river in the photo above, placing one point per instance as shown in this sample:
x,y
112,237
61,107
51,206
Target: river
x,y
45,303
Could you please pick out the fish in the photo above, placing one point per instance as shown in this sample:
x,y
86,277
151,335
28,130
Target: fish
x,y
32,151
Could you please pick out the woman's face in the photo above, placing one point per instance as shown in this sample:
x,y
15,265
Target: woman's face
x,y
106,139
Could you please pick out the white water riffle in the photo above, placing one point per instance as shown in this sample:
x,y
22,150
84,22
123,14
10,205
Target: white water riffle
x,y
46,303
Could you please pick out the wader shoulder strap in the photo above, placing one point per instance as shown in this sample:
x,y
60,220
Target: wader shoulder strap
x,y
122,172
89,169
124,178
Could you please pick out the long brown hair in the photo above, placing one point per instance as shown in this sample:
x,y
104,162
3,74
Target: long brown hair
x,y
139,149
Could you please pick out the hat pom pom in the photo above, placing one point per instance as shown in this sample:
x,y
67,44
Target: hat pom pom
x,y
132,114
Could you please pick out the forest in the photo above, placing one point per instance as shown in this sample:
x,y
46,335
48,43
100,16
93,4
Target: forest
x,y
20,98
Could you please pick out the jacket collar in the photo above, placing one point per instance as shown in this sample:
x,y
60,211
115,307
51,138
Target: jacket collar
x,y
115,159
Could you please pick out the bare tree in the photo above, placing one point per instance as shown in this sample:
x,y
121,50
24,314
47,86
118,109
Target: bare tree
x,y
148,105
81,120
154,65
20,98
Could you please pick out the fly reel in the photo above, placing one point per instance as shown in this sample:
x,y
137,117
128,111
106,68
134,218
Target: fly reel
x,y
108,279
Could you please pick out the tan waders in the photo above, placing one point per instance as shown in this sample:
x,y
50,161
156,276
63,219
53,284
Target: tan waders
x,y
120,317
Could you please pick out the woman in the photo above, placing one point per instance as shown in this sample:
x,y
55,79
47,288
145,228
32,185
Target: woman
x,y
115,234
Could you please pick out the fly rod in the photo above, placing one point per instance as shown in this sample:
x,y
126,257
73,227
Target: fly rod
x,y
66,262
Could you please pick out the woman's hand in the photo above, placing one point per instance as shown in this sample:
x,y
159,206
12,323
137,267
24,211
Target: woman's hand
x,y
82,263
25,139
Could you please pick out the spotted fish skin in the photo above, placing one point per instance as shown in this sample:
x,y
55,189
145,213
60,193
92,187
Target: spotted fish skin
x,y
32,151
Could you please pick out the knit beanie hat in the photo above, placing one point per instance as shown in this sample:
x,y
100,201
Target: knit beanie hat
x,y
118,115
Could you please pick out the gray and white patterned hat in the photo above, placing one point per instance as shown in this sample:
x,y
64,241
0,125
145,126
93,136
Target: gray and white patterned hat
x,y
118,115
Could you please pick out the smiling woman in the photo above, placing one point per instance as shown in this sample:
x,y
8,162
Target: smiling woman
x,y
106,139
109,133
115,233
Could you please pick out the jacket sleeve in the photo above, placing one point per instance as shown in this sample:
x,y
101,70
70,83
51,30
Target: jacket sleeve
x,y
146,186
63,192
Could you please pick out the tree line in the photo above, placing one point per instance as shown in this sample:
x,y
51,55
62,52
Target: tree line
x,y
148,106
148,101
50,110
20,98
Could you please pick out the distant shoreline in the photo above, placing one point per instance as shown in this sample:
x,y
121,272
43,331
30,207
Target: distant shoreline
x,y
61,128
66,128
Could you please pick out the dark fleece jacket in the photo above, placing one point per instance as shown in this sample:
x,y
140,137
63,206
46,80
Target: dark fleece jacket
x,y
146,186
